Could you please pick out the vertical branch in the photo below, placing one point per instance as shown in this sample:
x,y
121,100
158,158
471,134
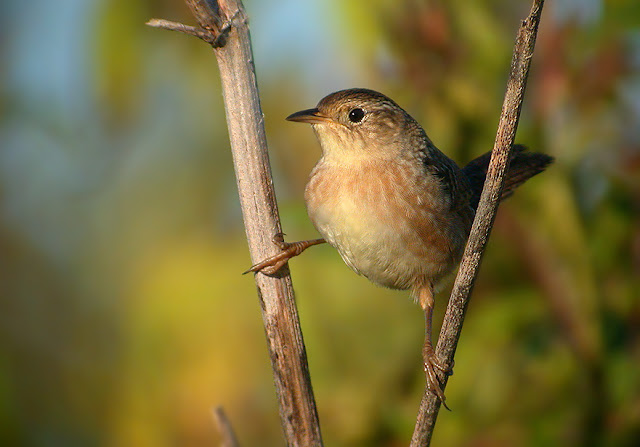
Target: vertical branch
x,y
224,24
454,316
227,435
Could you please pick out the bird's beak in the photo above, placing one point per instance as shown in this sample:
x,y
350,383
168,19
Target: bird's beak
x,y
311,116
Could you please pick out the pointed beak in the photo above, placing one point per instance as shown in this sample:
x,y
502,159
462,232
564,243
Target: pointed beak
x,y
310,116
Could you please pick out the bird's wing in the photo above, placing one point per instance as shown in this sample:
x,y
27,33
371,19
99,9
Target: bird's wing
x,y
454,183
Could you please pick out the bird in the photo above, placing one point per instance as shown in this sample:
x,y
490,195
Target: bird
x,y
397,209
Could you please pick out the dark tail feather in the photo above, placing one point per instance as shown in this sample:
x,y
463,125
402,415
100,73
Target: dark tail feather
x,y
524,165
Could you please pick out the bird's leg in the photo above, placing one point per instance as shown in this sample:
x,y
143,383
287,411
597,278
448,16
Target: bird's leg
x,y
271,265
431,363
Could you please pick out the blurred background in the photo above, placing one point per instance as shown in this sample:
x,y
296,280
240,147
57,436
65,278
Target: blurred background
x,y
123,315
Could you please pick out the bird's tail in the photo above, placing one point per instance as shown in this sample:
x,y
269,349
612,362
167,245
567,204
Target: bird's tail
x,y
523,165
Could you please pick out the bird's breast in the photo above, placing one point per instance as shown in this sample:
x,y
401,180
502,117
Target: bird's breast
x,y
386,219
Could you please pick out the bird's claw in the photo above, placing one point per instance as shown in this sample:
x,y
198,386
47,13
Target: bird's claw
x,y
271,265
278,240
433,367
274,263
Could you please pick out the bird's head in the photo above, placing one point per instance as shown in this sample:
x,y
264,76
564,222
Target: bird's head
x,y
358,123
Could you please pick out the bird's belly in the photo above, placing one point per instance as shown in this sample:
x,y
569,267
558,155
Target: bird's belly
x,y
372,250
391,235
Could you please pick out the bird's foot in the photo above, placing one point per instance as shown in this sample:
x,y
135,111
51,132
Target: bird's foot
x,y
433,368
271,265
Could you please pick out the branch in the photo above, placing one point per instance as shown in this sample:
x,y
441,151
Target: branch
x,y
224,24
215,39
228,437
468,271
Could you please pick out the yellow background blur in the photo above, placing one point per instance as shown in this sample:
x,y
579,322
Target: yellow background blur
x,y
123,315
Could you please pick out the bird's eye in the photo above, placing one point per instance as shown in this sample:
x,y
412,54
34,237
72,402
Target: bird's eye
x,y
356,115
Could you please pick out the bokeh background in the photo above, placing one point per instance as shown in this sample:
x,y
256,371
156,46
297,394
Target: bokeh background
x,y
123,315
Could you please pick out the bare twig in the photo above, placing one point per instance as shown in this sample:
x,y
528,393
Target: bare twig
x,y
180,27
226,24
228,437
454,316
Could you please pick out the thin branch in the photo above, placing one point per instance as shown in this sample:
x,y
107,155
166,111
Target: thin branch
x,y
227,435
212,38
227,24
180,27
454,316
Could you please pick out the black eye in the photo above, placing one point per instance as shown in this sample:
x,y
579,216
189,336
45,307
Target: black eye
x,y
356,115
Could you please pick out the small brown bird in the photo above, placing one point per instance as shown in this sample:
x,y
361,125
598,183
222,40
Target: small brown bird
x,y
397,209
